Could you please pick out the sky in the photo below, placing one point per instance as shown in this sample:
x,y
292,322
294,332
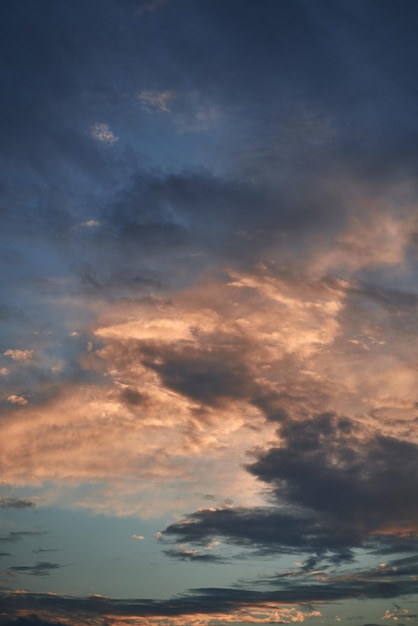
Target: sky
x,y
209,312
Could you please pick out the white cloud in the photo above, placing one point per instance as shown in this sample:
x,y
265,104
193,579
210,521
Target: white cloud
x,y
138,537
19,355
102,133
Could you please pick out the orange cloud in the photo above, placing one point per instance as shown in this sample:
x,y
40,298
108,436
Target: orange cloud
x,y
188,381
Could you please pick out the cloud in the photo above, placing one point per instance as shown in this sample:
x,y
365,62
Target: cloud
x,y
198,376
324,465
89,224
16,503
102,133
42,550
156,100
334,490
19,355
189,112
138,537
262,282
295,596
19,400
264,531
197,556
17,535
398,612
31,620
41,568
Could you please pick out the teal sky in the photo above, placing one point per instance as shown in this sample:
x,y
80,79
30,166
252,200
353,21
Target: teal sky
x,y
209,312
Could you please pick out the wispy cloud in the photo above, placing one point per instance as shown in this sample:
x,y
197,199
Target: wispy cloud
x,y
189,112
160,101
244,602
41,568
18,535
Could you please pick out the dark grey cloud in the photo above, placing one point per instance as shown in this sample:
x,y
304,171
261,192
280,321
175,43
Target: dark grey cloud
x,y
266,531
18,535
32,620
41,550
41,568
299,588
193,556
208,377
16,503
326,465
335,490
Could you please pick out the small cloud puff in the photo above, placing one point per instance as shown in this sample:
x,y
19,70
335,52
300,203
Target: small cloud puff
x,y
13,399
138,537
19,355
102,133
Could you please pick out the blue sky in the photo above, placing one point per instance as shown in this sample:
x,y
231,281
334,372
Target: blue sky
x,y
209,231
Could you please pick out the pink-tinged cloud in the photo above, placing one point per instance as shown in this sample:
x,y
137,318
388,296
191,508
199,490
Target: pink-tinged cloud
x,y
19,355
188,384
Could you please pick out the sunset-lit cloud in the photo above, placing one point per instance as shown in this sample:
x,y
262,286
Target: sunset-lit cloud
x,y
19,355
209,224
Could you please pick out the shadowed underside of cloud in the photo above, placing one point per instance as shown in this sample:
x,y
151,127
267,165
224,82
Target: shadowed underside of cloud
x,y
327,465
335,487
32,620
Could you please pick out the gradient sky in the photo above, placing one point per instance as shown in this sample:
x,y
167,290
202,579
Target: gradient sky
x,y
209,312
